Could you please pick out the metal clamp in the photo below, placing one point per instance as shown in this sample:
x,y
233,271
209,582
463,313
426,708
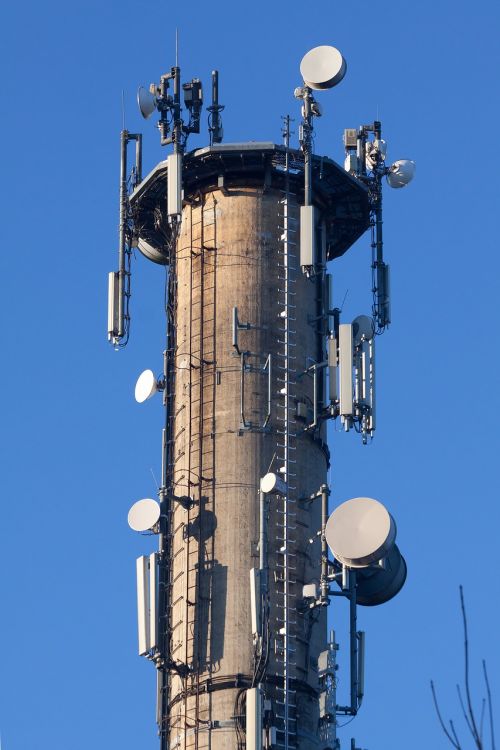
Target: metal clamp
x,y
239,326
245,367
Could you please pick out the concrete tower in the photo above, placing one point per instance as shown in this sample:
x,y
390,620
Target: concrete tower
x,y
232,608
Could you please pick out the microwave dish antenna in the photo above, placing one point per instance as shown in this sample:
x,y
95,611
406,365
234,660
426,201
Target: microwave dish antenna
x,y
272,484
363,327
360,532
146,386
146,101
323,67
144,515
380,584
401,173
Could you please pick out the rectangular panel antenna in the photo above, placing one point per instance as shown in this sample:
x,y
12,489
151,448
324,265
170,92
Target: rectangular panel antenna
x,y
255,596
332,370
307,236
345,364
174,184
254,730
143,604
113,305
153,599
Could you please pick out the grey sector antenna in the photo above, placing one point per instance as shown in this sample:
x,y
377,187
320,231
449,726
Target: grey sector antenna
x,y
323,67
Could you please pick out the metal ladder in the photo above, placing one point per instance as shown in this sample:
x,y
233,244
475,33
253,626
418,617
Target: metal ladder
x,y
201,459
285,648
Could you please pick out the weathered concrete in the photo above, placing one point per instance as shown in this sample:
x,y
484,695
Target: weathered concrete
x,y
228,256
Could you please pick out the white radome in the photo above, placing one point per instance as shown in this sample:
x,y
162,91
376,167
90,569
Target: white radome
x,y
146,102
323,67
272,484
146,386
360,532
401,173
143,515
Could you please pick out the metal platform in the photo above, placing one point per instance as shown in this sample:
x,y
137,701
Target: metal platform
x,y
342,199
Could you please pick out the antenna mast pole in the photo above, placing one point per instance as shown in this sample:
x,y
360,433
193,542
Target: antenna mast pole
x,y
122,231
307,131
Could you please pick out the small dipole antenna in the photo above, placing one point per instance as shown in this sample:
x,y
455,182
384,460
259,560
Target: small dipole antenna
x,y
123,120
177,48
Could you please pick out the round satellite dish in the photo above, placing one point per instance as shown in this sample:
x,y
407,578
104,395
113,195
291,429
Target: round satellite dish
x,y
146,386
360,532
323,68
143,515
272,484
401,173
362,327
378,585
146,101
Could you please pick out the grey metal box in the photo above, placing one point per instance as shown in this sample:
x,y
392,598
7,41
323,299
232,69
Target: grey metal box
x,y
350,138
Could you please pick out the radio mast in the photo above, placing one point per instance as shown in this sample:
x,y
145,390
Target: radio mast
x,y
257,359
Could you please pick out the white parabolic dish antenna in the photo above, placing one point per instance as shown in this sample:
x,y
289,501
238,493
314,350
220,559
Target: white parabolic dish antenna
x,y
360,532
146,101
323,67
143,515
146,386
401,173
272,484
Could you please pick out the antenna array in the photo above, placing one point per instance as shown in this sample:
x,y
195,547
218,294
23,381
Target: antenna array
x,y
241,396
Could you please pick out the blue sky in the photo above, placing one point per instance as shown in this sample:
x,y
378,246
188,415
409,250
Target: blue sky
x,y
77,450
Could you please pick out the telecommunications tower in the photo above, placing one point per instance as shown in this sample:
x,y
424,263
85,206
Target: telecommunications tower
x,y
232,607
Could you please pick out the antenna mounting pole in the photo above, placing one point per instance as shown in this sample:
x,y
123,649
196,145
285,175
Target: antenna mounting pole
x,y
215,130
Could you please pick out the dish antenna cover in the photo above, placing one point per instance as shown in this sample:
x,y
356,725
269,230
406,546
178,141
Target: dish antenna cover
x,y
272,484
146,386
401,173
146,101
143,515
362,327
360,532
323,67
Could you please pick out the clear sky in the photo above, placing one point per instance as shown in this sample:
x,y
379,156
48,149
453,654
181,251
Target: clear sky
x,y
77,450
